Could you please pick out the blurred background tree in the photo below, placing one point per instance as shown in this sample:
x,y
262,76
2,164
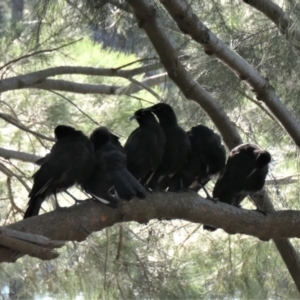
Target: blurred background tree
x,y
164,259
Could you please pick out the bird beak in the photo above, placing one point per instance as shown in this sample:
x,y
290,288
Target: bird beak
x,y
132,118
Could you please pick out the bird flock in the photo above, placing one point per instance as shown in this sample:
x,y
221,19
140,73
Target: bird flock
x,y
157,156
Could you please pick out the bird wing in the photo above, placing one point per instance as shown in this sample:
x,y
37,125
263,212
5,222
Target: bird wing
x,y
137,146
64,164
114,165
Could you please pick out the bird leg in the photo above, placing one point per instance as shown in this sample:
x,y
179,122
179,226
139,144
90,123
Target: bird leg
x,y
261,211
147,188
196,187
149,178
257,207
76,200
56,202
145,185
215,200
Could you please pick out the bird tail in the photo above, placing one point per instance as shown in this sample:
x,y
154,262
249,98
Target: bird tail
x,y
209,228
34,206
127,185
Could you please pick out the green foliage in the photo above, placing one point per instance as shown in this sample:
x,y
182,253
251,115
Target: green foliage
x,y
160,260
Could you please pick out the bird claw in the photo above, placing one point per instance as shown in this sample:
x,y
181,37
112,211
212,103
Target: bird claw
x,y
60,208
77,202
262,211
147,188
215,200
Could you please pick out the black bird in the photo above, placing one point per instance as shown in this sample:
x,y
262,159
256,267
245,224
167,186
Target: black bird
x,y
145,146
69,162
177,149
244,174
110,171
207,160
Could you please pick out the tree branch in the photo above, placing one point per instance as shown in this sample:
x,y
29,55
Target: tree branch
x,y
189,24
10,119
77,222
34,78
33,245
283,22
74,87
22,156
84,88
134,87
146,17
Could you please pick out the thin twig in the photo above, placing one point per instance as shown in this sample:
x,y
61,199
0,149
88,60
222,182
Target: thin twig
x,y
120,242
135,62
106,257
9,173
38,52
8,118
75,105
11,197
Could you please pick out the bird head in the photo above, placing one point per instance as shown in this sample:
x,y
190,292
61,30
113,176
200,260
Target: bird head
x,y
63,131
100,136
263,158
201,131
163,111
143,116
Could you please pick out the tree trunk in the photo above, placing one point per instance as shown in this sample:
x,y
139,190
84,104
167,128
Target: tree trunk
x,y
17,7
146,17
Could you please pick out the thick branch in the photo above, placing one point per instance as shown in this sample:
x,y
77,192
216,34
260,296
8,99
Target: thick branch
x,y
77,222
34,78
189,23
283,22
146,16
74,87
85,88
22,156
31,244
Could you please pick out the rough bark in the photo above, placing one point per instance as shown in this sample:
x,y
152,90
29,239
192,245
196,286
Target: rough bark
x,y
146,17
77,222
34,78
22,156
284,23
17,7
80,88
190,24
31,244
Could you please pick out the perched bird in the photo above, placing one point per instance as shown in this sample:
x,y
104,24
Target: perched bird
x,y
145,146
244,174
110,171
207,160
69,162
177,148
